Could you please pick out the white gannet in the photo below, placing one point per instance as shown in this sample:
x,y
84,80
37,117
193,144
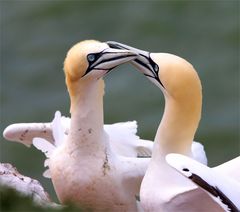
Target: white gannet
x,y
163,188
84,169
222,187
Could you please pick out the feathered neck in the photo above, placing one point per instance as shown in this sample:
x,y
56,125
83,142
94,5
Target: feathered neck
x,y
86,129
183,104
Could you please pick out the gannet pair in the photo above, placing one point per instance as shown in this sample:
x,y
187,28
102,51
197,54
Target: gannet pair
x,y
84,167
162,188
169,88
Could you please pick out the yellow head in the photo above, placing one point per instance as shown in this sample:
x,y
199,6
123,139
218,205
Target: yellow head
x,y
76,62
89,60
178,77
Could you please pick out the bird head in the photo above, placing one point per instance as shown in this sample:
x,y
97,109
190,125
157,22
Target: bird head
x,y
89,60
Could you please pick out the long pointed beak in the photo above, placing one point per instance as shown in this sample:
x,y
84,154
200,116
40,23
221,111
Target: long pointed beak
x,y
111,57
142,63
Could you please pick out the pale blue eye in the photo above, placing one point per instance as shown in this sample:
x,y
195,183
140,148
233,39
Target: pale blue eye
x,y
91,57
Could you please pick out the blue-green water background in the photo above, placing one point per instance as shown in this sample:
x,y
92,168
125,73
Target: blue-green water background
x,y
35,36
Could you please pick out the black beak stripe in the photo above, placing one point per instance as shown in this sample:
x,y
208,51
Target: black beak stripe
x,y
97,60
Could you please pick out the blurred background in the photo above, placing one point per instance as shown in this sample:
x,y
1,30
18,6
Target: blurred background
x,y
35,36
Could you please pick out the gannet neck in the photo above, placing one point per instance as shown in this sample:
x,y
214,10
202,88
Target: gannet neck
x,y
87,116
183,103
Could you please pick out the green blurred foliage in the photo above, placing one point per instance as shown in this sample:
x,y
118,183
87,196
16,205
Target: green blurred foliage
x,y
35,36
11,200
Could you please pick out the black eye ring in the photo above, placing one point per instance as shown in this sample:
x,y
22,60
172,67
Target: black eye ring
x,y
185,169
91,57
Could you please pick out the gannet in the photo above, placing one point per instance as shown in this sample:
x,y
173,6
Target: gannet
x,y
163,188
223,187
84,169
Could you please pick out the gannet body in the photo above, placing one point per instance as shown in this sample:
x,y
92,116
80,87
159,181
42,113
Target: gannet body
x,y
84,169
163,188
223,188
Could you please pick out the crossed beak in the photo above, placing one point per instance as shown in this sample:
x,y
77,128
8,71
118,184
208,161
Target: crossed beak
x,y
142,63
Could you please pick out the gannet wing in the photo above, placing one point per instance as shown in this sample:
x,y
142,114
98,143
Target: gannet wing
x,y
198,152
125,142
230,168
223,189
25,132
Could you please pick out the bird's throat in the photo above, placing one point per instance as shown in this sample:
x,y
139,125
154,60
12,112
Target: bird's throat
x,y
86,129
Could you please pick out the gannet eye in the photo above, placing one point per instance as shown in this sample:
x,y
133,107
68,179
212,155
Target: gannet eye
x,y
186,170
91,57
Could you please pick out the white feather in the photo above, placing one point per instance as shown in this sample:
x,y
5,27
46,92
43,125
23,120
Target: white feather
x,y
47,148
57,129
47,174
198,152
124,140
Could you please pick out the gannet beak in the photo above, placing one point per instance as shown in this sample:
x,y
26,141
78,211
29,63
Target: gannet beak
x,y
109,58
142,63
